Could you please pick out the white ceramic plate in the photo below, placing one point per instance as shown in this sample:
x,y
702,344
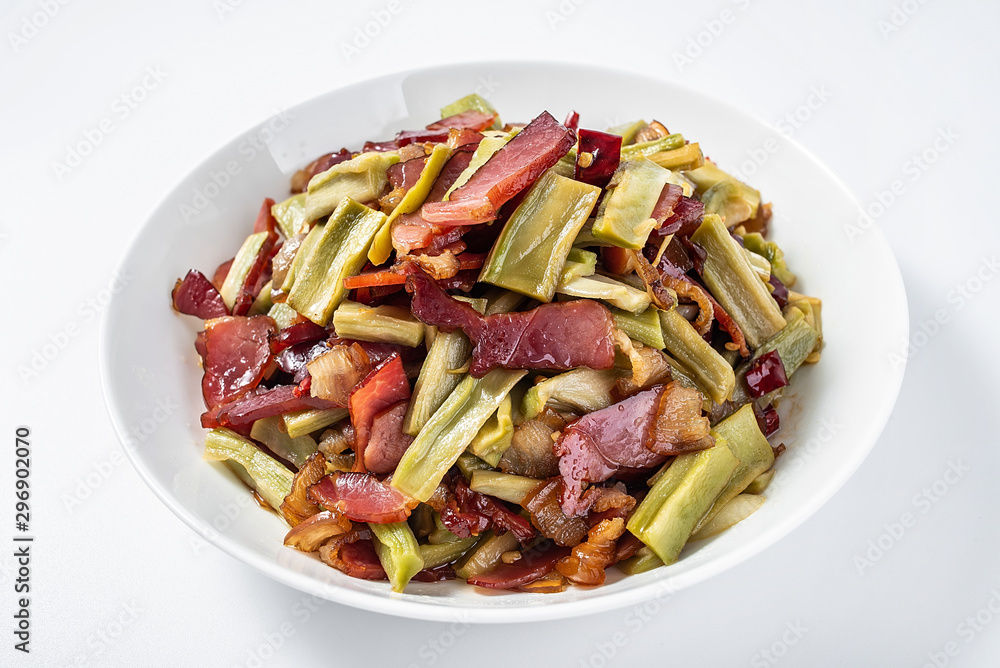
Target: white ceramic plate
x,y
151,375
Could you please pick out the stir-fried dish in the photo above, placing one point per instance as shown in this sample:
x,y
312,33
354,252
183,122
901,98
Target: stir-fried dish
x,y
515,354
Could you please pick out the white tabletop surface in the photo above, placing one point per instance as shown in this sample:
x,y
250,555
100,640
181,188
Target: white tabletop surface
x,y
900,568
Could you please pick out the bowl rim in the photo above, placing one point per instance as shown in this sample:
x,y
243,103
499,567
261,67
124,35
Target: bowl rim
x,y
398,604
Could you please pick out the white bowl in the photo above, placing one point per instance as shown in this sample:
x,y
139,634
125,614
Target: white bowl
x,y
151,375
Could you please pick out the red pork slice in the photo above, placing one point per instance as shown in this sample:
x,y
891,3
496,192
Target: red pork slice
x,y
597,445
237,352
466,120
259,403
405,174
387,442
513,168
248,291
558,336
360,560
361,497
411,231
533,564
195,295
664,208
383,387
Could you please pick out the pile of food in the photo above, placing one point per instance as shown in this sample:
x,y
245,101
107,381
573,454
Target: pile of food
x,y
514,354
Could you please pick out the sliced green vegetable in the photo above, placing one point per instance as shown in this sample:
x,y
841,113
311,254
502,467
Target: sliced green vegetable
x,y
242,263
643,560
269,476
270,432
447,352
384,324
794,343
362,179
305,248
644,326
624,217
398,552
735,511
733,282
262,304
685,377
759,264
531,251
726,200
582,390
291,214
414,197
485,556
684,158
741,432
506,486
499,300
627,131
282,314
579,262
494,437
712,373
647,148
760,483
708,175
305,422
667,516
445,553
472,102
756,243
487,148
606,289
468,464
421,521
811,307
340,251
450,430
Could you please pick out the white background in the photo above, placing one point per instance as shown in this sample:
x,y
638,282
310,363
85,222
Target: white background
x,y
117,580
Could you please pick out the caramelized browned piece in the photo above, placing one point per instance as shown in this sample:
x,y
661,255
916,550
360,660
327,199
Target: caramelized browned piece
x,y
310,534
297,507
548,517
530,453
585,566
651,131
